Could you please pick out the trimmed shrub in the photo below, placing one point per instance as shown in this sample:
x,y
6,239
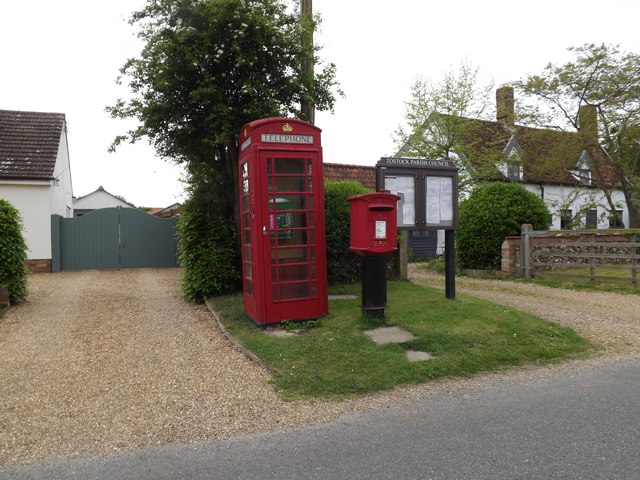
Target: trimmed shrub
x,y
13,253
207,244
492,212
343,266
207,254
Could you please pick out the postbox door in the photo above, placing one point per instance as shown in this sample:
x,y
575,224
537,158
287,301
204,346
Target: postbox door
x,y
290,223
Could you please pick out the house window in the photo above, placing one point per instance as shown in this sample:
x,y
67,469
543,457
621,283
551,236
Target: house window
x,y
566,219
514,172
591,219
615,219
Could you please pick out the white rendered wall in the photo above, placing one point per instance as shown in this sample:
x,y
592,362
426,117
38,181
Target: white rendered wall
x,y
575,199
61,188
32,200
559,197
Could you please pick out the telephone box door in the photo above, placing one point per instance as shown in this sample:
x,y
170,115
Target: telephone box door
x,y
293,235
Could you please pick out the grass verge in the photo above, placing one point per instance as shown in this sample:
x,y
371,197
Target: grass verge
x,y
602,283
573,282
337,359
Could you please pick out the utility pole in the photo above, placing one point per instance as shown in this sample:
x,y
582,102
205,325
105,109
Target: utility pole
x,y
307,108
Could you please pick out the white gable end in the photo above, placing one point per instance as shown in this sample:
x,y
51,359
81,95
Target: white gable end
x,y
99,199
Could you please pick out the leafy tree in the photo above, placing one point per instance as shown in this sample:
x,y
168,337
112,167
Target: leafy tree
x,y
13,253
609,79
492,212
207,68
439,119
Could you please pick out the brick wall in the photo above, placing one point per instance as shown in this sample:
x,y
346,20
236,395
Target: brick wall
x,y
4,298
511,258
39,266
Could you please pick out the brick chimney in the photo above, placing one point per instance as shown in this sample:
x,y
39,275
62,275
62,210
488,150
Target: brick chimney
x,y
588,123
505,106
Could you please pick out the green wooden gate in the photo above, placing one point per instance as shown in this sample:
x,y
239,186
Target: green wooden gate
x,y
113,238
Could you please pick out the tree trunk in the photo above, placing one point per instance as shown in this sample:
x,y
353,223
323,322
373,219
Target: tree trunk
x,y
232,166
634,214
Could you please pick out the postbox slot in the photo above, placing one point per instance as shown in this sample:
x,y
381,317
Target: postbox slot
x,y
381,207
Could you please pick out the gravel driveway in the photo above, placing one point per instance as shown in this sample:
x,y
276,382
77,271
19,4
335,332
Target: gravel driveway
x,y
102,361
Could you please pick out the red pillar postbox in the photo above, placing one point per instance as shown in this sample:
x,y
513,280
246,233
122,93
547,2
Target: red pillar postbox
x,y
282,220
374,235
374,223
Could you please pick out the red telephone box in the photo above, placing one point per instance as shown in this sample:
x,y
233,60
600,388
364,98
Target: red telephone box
x,y
282,218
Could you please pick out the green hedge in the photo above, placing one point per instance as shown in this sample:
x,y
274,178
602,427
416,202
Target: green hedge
x,y
207,254
207,245
13,253
342,265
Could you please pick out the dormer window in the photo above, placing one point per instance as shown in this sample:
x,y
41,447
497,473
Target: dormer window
x,y
582,172
512,168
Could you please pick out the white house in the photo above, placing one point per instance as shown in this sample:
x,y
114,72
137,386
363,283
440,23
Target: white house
x,y
35,176
99,198
569,170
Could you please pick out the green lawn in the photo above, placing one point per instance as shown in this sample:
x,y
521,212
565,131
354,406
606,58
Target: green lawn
x,y
467,335
608,279
576,279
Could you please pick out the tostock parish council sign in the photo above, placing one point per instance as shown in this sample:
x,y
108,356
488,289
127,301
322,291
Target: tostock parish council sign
x,y
428,191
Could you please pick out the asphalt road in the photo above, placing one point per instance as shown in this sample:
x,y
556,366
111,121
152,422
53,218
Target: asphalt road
x,y
580,423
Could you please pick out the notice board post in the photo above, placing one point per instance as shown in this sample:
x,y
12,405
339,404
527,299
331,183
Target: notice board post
x,y
428,191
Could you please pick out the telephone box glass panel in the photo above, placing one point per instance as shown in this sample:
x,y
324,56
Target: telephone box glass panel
x,y
290,205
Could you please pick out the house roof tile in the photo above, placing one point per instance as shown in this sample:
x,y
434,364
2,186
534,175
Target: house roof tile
x,y
29,143
547,155
357,173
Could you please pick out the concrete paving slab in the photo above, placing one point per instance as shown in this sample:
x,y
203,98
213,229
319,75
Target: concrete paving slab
x,y
415,356
384,335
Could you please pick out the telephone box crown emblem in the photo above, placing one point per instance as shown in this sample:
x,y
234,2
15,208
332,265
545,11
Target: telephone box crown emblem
x,y
287,128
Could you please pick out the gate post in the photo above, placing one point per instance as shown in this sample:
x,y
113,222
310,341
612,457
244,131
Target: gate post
x,y
526,229
55,243
450,264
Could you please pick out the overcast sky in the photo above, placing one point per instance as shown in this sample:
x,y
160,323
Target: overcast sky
x,y
64,55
